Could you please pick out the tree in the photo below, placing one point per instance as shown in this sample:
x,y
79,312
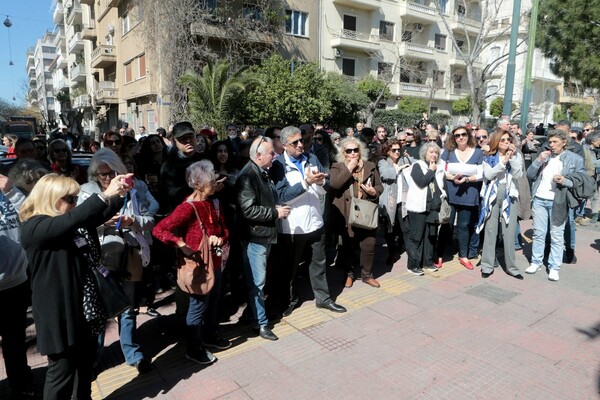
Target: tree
x,y
183,35
8,110
497,106
463,106
412,105
479,29
346,101
215,96
569,33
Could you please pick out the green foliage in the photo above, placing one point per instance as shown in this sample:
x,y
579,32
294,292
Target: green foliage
x,y
8,109
497,106
463,106
581,112
297,93
214,96
568,32
412,105
558,114
390,117
372,87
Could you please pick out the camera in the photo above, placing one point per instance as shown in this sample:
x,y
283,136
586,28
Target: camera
x,y
218,251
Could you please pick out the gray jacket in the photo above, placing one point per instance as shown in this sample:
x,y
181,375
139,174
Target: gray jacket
x,y
571,163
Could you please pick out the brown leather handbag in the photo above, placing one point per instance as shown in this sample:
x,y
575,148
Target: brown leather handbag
x,y
196,274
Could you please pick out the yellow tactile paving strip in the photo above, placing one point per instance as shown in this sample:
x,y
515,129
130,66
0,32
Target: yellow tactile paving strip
x,y
353,299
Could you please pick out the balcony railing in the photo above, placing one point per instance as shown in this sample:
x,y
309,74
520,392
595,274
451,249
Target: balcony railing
x,y
348,34
82,101
103,56
107,92
76,42
74,15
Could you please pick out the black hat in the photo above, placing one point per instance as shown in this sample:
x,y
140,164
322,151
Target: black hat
x,y
182,128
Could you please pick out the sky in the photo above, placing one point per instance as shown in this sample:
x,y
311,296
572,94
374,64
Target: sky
x,y
30,20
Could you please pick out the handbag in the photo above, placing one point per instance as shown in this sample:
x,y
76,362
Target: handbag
x,y
111,293
445,210
363,213
196,274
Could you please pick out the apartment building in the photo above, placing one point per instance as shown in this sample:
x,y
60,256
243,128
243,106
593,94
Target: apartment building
x,y
39,59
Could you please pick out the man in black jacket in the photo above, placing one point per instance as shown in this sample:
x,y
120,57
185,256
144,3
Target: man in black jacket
x,y
257,213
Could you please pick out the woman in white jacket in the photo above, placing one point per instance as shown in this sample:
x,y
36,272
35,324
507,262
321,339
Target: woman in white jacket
x,y
423,202
502,166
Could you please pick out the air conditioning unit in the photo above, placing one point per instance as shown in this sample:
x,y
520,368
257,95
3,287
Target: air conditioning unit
x,y
337,53
133,107
418,27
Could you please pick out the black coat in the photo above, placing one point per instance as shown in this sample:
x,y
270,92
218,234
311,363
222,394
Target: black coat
x,y
256,200
57,270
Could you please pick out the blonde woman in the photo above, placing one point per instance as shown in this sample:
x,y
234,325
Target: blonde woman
x,y
355,173
62,247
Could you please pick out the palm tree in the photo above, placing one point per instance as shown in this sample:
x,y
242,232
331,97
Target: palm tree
x,y
214,96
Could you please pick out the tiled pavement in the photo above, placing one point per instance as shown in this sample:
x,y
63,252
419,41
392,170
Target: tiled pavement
x,y
446,335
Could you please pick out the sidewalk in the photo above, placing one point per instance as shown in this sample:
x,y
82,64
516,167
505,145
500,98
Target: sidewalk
x,y
445,335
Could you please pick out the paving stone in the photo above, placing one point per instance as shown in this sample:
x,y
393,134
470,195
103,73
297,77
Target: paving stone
x,y
492,293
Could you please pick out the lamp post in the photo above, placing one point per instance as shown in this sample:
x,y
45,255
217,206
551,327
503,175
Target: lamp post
x,y
512,55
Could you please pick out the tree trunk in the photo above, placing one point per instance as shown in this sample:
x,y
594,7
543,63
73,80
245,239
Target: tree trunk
x,y
474,88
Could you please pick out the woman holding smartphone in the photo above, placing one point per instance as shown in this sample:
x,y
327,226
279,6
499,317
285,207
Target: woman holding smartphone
x,y
462,164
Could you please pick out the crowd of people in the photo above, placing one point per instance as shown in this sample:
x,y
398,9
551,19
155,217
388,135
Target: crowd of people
x,y
255,209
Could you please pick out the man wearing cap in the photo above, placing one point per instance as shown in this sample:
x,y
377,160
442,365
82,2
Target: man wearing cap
x,y
172,173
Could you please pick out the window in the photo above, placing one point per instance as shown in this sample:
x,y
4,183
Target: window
x,y
349,23
125,24
404,75
386,30
438,78
384,70
494,54
460,44
407,36
348,66
252,12
128,72
443,4
142,65
296,23
461,10
440,42
457,81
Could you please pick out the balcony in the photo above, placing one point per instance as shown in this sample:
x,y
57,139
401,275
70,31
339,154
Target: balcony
x,y
74,15
59,35
414,89
103,56
463,24
31,71
61,61
78,73
573,96
353,40
33,81
417,51
82,101
76,43
246,31
455,60
57,14
418,13
107,93
89,30
368,5
87,2
59,83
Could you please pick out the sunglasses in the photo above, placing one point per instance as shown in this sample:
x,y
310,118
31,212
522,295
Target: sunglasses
x,y
409,134
318,138
113,142
71,199
61,151
353,150
506,140
395,150
459,135
104,175
295,143
481,137
587,130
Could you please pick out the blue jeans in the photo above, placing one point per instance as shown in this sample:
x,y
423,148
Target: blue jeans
x,y
255,263
570,230
202,316
541,211
466,222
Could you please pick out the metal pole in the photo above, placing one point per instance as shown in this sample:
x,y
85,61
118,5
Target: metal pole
x,y
528,66
512,55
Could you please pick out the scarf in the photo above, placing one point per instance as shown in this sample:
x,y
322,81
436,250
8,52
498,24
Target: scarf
x,y
489,193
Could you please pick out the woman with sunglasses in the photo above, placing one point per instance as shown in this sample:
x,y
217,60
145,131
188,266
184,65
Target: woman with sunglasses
x,y
60,157
355,173
462,163
502,166
62,247
390,166
112,140
124,249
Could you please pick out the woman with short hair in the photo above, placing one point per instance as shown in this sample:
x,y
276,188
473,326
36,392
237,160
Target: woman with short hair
x,y
62,248
355,176
184,229
423,203
502,166
60,157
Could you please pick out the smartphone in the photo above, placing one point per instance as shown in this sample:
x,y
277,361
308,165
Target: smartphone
x,y
129,181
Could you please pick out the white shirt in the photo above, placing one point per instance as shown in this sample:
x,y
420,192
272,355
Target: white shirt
x,y
547,188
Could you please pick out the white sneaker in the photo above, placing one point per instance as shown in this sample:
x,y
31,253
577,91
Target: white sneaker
x,y
553,275
533,268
